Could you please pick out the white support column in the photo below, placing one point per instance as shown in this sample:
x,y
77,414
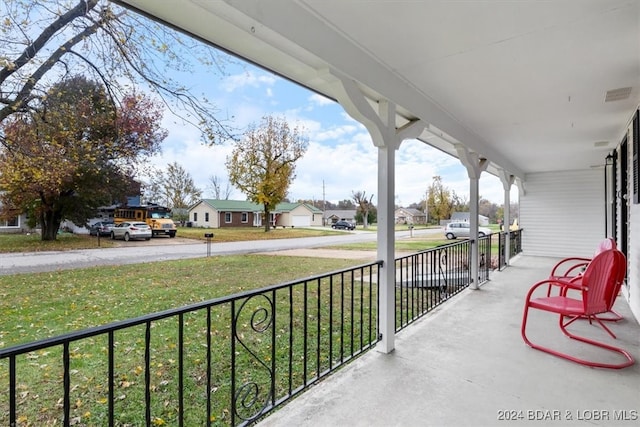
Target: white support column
x,y
382,128
475,166
507,181
386,228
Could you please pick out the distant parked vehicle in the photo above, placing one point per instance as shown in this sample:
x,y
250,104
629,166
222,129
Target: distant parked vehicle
x,y
343,225
157,217
456,229
102,228
131,230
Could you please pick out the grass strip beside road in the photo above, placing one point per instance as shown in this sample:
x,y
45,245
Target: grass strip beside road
x,y
68,241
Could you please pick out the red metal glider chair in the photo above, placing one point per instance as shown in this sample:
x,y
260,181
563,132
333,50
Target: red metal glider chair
x,y
569,268
598,287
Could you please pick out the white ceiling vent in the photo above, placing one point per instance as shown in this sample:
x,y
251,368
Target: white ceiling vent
x,y
617,94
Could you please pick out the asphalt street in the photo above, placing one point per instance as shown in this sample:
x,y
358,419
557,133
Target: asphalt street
x,y
32,262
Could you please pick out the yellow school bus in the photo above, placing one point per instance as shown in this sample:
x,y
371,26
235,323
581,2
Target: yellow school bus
x,y
157,217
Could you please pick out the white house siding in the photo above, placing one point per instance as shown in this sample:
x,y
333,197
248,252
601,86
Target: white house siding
x,y
301,220
300,216
562,213
201,210
632,289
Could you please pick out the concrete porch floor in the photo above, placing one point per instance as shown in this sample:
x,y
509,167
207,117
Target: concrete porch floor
x,y
465,364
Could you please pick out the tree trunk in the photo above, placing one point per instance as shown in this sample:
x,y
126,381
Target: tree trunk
x,y
267,219
50,222
365,219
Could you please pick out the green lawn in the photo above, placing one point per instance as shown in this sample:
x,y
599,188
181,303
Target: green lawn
x,y
37,306
40,305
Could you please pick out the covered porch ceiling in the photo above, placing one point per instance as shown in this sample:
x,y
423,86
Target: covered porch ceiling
x,y
532,86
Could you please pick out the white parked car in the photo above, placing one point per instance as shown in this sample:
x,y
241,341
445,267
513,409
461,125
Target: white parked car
x,y
131,230
456,229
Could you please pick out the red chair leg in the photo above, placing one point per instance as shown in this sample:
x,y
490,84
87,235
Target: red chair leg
x,y
572,319
611,316
629,359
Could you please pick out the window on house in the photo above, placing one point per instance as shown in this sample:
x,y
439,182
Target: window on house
x,y
206,217
195,216
227,217
245,217
12,222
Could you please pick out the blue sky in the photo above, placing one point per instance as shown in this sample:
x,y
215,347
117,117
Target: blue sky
x,y
340,156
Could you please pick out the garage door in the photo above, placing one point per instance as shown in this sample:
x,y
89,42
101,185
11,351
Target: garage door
x,y
301,220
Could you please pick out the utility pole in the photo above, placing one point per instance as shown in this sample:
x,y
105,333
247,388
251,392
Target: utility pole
x,y
324,204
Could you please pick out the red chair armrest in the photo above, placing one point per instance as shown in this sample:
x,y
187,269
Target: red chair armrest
x,y
563,284
569,266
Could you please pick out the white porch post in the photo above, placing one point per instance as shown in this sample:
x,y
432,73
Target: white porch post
x,y
382,128
507,182
386,245
475,166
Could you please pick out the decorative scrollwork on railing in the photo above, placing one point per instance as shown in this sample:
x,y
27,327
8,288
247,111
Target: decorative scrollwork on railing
x,y
252,320
442,255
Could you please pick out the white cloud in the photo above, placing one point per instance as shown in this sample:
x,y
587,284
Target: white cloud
x,y
336,133
337,171
248,78
340,159
320,100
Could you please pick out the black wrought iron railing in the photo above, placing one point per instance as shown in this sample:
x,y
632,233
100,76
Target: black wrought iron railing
x,y
229,360
515,246
224,361
516,241
485,257
426,279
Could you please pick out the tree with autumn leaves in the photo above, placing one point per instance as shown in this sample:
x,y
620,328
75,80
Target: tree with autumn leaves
x,y
87,159
76,151
262,163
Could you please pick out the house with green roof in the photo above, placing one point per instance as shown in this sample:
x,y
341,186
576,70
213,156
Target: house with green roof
x,y
215,213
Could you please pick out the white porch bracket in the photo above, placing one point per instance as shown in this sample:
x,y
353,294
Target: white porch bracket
x,y
521,188
507,181
381,125
475,165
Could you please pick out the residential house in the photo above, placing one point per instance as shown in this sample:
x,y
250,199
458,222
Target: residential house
x,y
464,216
15,224
298,215
332,216
215,213
410,216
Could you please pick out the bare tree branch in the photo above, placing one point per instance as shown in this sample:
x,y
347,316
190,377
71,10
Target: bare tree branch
x,y
81,9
